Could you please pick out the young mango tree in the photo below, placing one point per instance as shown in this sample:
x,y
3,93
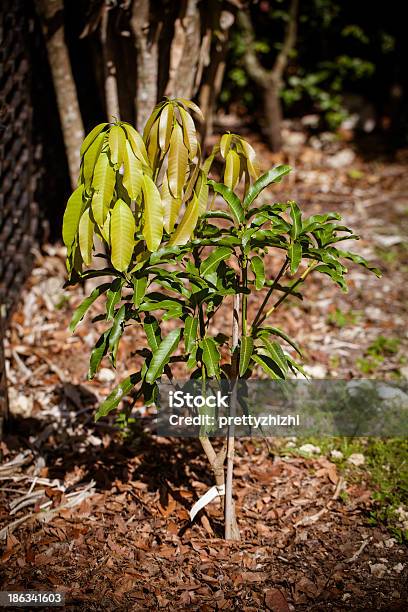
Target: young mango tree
x,y
181,247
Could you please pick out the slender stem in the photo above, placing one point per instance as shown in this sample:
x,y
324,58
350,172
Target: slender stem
x,y
283,297
244,298
269,293
231,527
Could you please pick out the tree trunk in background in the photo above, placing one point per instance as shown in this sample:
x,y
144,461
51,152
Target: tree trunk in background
x,y
184,52
52,21
146,32
215,66
270,81
272,120
109,66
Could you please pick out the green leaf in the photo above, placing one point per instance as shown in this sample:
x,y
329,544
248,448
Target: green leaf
x,y
258,269
276,354
85,235
123,229
211,357
359,260
192,106
269,366
231,199
273,176
116,332
132,172
162,356
114,398
91,137
295,256
153,214
139,289
278,332
334,275
187,225
113,296
72,216
212,262
218,214
245,354
117,143
152,331
190,332
98,353
80,312
296,220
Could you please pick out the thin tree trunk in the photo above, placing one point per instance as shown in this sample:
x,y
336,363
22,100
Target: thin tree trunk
x,y
52,20
146,42
231,526
109,66
272,115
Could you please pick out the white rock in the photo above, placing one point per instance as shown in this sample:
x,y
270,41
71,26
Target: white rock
x,y
378,569
398,568
356,459
310,449
386,392
342,158
20,405
336,454
106,375
390,542
315,371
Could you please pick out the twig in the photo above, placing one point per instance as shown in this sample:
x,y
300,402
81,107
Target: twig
x,y
307,520
359,551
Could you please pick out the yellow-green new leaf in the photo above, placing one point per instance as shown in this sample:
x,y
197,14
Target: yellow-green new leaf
x,y
72,216
187,224
153,214
232,167
105,229
104,183
123,229
132,175
138,146
250,155
192,106
225,144
171,206
202,194
90,158
153,149
86,229
177,162
91,137
117,140
165,127
99,209
190,133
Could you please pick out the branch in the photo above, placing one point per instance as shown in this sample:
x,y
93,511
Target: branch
x,y
254,68
288,43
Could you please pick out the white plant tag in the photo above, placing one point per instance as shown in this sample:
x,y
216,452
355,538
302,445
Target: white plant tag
x,y
206,499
